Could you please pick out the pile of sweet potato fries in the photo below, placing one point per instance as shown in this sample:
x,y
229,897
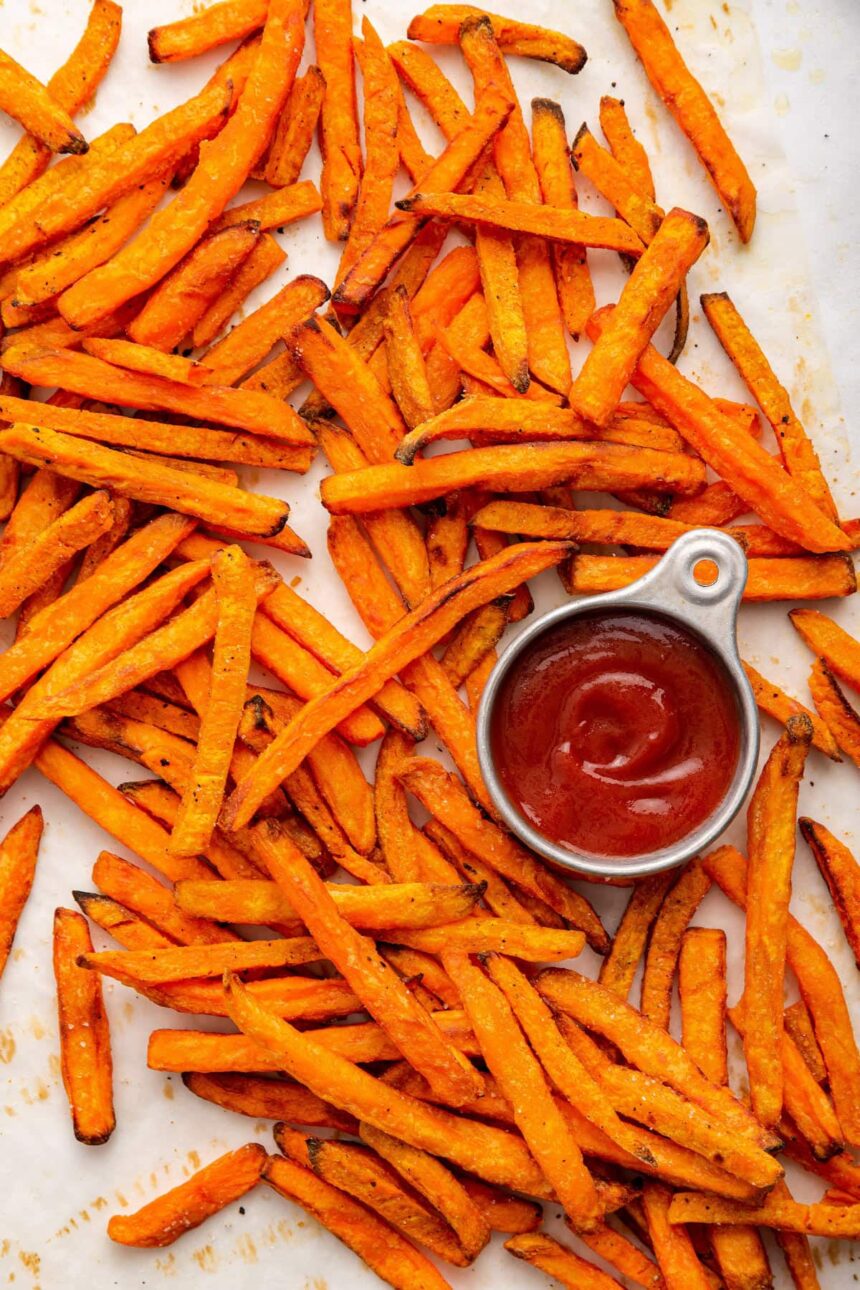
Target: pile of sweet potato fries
x,y
417,1012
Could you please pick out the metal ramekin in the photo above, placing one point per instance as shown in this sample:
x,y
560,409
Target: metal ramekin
x,y
710,613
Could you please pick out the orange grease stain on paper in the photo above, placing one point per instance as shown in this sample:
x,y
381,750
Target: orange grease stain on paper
x,y
7,1046
205,1258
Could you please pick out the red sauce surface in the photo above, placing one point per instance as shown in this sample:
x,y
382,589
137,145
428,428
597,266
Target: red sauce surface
x,y
616,734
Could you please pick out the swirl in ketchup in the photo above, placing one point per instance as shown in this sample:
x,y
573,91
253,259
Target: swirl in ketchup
x,y
616,734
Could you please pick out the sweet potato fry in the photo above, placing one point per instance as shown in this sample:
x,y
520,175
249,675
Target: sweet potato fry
x,y
339,134
251,340
653,285
171,233
186,295
780,1211
274,210
741,462
72,86
798,1024
552,162
19,851
771,826
841,720
381,991
177,1211
131,932
503,1212
400,905
215,25
266,1099
679,905
841,872
559,1262
618,187
509,467
430,86
144,358
623,144
111,172
779,705
90,377
628,945
796,449
702,991
786,578
411,637
524,1085
449,170
65,263
85,1053
691,107
673,1249
148,482
182,962
820,988
380,1246
493,1153
263,259
294,135
444,797
31,567
139,892
406,370
440,25
830,642
27,101
620,1253
647,1047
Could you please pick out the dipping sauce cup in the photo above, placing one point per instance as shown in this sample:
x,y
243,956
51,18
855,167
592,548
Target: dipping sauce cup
x,y
618,734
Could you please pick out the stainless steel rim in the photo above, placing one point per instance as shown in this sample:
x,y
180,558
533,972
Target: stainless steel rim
x,y
710,613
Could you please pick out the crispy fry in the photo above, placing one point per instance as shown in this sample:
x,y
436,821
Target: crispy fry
x,y
430,86
441,23
406,369
738,459
400,905
798,1024
31,567
381,991
182,962
262,261
557,224
785,578
509,467
821,991
653,285
27,101
771,825
131,932
558,1262
679,905
266,1099
294,134
625,147
779,705
186,295
796,449
339,134
702,991
412,636
408,853
145,481
144,358
139,892
472,641
215,25
273,210
622,1254
493,1153
104,175
628,945
449,170
675,1253
19,851
830,642
503,1212
380,1246
85,1053
177,1211
64,264
618,187
777,1211
524,1085
72,86
691,107
552,161
251,340
841,872
444,797
833,708
215,180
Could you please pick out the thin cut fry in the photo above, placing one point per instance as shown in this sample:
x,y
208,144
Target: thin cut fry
x,y
406,370
72,86
85,1053
777,1211
441,23
623,144
798,1024
771,826
674,1251
182,962
552,161
653,285
19,851
139,892
679,905
841,719
691,108
31,567
294,135
131,932
784,578
212,26
494,936
339,135
559,1262
830,642
628,945
796,449
210,1190
144,358
266,1099
251,340
841,872
779,705
702,991
27,101
274,210
615,1248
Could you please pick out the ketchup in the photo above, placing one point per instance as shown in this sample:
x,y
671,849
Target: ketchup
x,y
616,734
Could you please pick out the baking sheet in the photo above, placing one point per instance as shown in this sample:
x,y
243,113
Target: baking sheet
x,y
55,1195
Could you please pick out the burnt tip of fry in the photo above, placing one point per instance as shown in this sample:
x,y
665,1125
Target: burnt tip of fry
x,y
580,134
474,22
707,296
76,144
520,378
799,728
549,106
152,45
405,204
